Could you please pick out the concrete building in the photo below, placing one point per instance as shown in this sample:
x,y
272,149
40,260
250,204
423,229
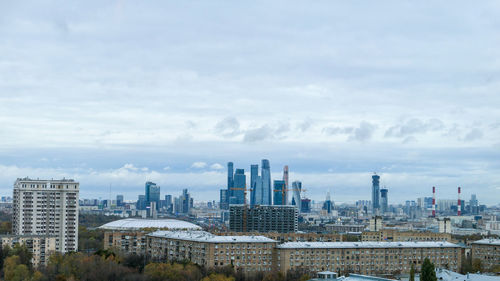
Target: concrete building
x,y
249,253
444,225
40,246
129,235
375,223
384,200
293,237
375,194
47,207
394,235
487,251
263,218
372,258
345,228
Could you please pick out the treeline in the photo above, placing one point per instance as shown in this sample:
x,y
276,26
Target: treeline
x,y
107,265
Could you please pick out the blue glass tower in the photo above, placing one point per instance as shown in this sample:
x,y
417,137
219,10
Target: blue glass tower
x,y
375,193
279,189
266,182
152,194
254,175
238,189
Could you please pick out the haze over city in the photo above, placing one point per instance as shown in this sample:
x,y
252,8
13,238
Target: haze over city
x,y
119,93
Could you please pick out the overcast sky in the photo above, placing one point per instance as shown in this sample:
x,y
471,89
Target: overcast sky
x,y
114,93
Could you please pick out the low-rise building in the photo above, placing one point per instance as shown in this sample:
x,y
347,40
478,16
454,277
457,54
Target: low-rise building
x,y
40,246
249,253
345,228
129,235
294,237
487,251
394,235
371,258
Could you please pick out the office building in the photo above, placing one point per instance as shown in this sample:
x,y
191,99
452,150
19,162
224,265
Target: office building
x,y
152,194
327,205
247,253
279,192
266,183
238,190
223,200
370,258
169,204
375,193
384,200
296,189
141,202
47,207
254,177
487,251
184,203
263,218
119,200
474,205
305,205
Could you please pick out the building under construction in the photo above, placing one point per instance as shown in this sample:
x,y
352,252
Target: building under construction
x,y
263,218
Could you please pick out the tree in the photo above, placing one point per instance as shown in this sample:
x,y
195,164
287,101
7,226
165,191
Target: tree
x,y
14,270
427,273
476,265
218,277
412,273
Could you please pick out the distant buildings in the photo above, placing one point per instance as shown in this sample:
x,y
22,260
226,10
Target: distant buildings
x,y
384,200
296,189
237,191
305,205
328,205
279,192
183,203
152,194
263,218
376,223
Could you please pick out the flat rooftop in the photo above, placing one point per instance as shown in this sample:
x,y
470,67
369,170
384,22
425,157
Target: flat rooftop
x,y
361,245
202,236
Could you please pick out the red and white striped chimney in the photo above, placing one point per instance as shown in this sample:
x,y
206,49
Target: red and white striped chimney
x,y
433,201
459,209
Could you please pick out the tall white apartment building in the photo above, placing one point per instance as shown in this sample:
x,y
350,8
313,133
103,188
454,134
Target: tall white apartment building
x,y
49,208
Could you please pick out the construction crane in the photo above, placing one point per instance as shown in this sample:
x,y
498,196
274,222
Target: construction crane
x,y
284,190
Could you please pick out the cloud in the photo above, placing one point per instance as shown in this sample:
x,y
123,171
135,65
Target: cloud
x,y
258,134
473,135
414,126
228,127
166,168
305,125
216,166
199,165
364,132
129,167
338,130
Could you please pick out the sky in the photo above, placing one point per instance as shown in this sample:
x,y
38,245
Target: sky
x,y
116,93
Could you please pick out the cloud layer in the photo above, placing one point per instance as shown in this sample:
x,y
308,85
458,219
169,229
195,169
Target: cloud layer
x,y
122,92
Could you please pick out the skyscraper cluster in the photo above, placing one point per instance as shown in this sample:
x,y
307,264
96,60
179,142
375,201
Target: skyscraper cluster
x,y
262,191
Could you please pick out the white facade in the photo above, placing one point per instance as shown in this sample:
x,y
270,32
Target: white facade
x,y
47,207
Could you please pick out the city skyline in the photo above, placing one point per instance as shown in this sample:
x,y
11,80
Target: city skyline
x,y
168,93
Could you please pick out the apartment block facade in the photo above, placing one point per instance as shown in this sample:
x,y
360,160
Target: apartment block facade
x,y
487,251
369,258
40,246
249,253
47,208
394,235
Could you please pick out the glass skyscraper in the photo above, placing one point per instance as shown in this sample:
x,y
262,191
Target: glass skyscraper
x,y
384,200
266,182
279,192
238,189
296,189
375,193
152,194
254,176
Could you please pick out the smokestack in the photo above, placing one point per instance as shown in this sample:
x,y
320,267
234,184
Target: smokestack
x,y
459,208
433,201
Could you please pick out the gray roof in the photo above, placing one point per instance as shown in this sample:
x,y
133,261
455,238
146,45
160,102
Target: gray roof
x,y
138,224
354,245
202,236
488,242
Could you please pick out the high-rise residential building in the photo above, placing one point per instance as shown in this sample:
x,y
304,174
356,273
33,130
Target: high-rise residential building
x,y
296,189
238,189
48,208
375,193
266,182
119,200
141,202
254,176
376,223
384,200
263,218
152,194
279,192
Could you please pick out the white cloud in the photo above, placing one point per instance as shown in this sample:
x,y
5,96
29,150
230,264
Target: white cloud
x,y
199,165
216,166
